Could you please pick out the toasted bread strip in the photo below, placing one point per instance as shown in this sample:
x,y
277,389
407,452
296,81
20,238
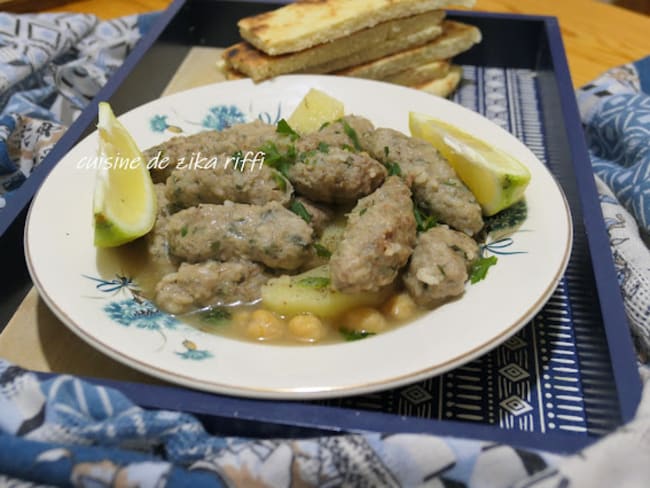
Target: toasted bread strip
x,y
378,51
420,74
456,38
304,24
445,86
258,65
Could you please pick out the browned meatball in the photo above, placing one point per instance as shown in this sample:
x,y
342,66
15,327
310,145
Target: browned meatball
x,y
347,132
434,183
335,175
181,149
439,266
270,234
244,182
156,239
378,239
211,283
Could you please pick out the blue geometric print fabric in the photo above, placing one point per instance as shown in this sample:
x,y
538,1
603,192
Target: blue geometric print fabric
x,y
616,115
51,66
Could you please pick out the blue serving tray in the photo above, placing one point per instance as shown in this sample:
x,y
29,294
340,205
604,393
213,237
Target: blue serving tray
x,y
562,382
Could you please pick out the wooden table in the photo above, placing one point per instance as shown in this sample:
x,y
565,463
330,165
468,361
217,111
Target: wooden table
x,y
597,36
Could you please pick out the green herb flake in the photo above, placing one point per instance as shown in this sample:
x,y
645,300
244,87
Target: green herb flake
x,y
184,231
215,247
322,251
386,151
285,129
480,268
215,316
423,222
449,183
280,181
394,169
442,271
362,211
325,124
353,335
277,160
316,282
300,210
237,155
352,134
323,147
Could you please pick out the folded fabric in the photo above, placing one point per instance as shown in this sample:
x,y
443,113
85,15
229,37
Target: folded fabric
x,y
52,66
615,110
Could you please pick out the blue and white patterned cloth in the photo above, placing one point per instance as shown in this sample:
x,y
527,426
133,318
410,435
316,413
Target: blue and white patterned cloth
x,y
67,432
51,66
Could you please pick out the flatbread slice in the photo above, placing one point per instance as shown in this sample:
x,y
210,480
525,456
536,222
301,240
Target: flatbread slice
x,y
420,74
303,24
378,51
455,39
445,86
245,58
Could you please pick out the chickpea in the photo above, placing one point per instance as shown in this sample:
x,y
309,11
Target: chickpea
x,y
264,326
307,328
400,307
240,318
364,319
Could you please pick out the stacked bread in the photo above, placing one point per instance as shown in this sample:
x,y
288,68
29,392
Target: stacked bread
x,y
407,42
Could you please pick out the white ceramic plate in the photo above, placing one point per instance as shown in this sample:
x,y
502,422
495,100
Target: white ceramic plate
x,y
93,298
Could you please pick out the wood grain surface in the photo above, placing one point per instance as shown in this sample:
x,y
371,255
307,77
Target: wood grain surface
x,y
597,36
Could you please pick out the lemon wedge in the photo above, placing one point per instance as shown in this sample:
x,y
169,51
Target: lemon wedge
x,y
124,203
496,179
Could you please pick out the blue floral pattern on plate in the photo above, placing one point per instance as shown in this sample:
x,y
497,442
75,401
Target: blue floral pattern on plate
x,y
138,312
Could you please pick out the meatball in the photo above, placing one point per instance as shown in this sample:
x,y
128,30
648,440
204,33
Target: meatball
x,y
181,149
156,239
434,183
268,234
211,283
334,175
246,181
439,266
377,241
347,132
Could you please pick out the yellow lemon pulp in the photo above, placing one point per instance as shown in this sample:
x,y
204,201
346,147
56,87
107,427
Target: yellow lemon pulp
x,y
124,204
496,179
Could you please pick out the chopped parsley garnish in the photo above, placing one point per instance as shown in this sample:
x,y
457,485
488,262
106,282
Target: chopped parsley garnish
x,y
300,210
237,155
480,268
393,169
423,222
353,335
347,147
277,160
215,316
184,231
352,134
280,180
362,211
316,282
285,128
386,151
325,124
322,251
323,147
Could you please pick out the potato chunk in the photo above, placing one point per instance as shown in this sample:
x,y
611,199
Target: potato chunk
x,y
311,292
314,110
